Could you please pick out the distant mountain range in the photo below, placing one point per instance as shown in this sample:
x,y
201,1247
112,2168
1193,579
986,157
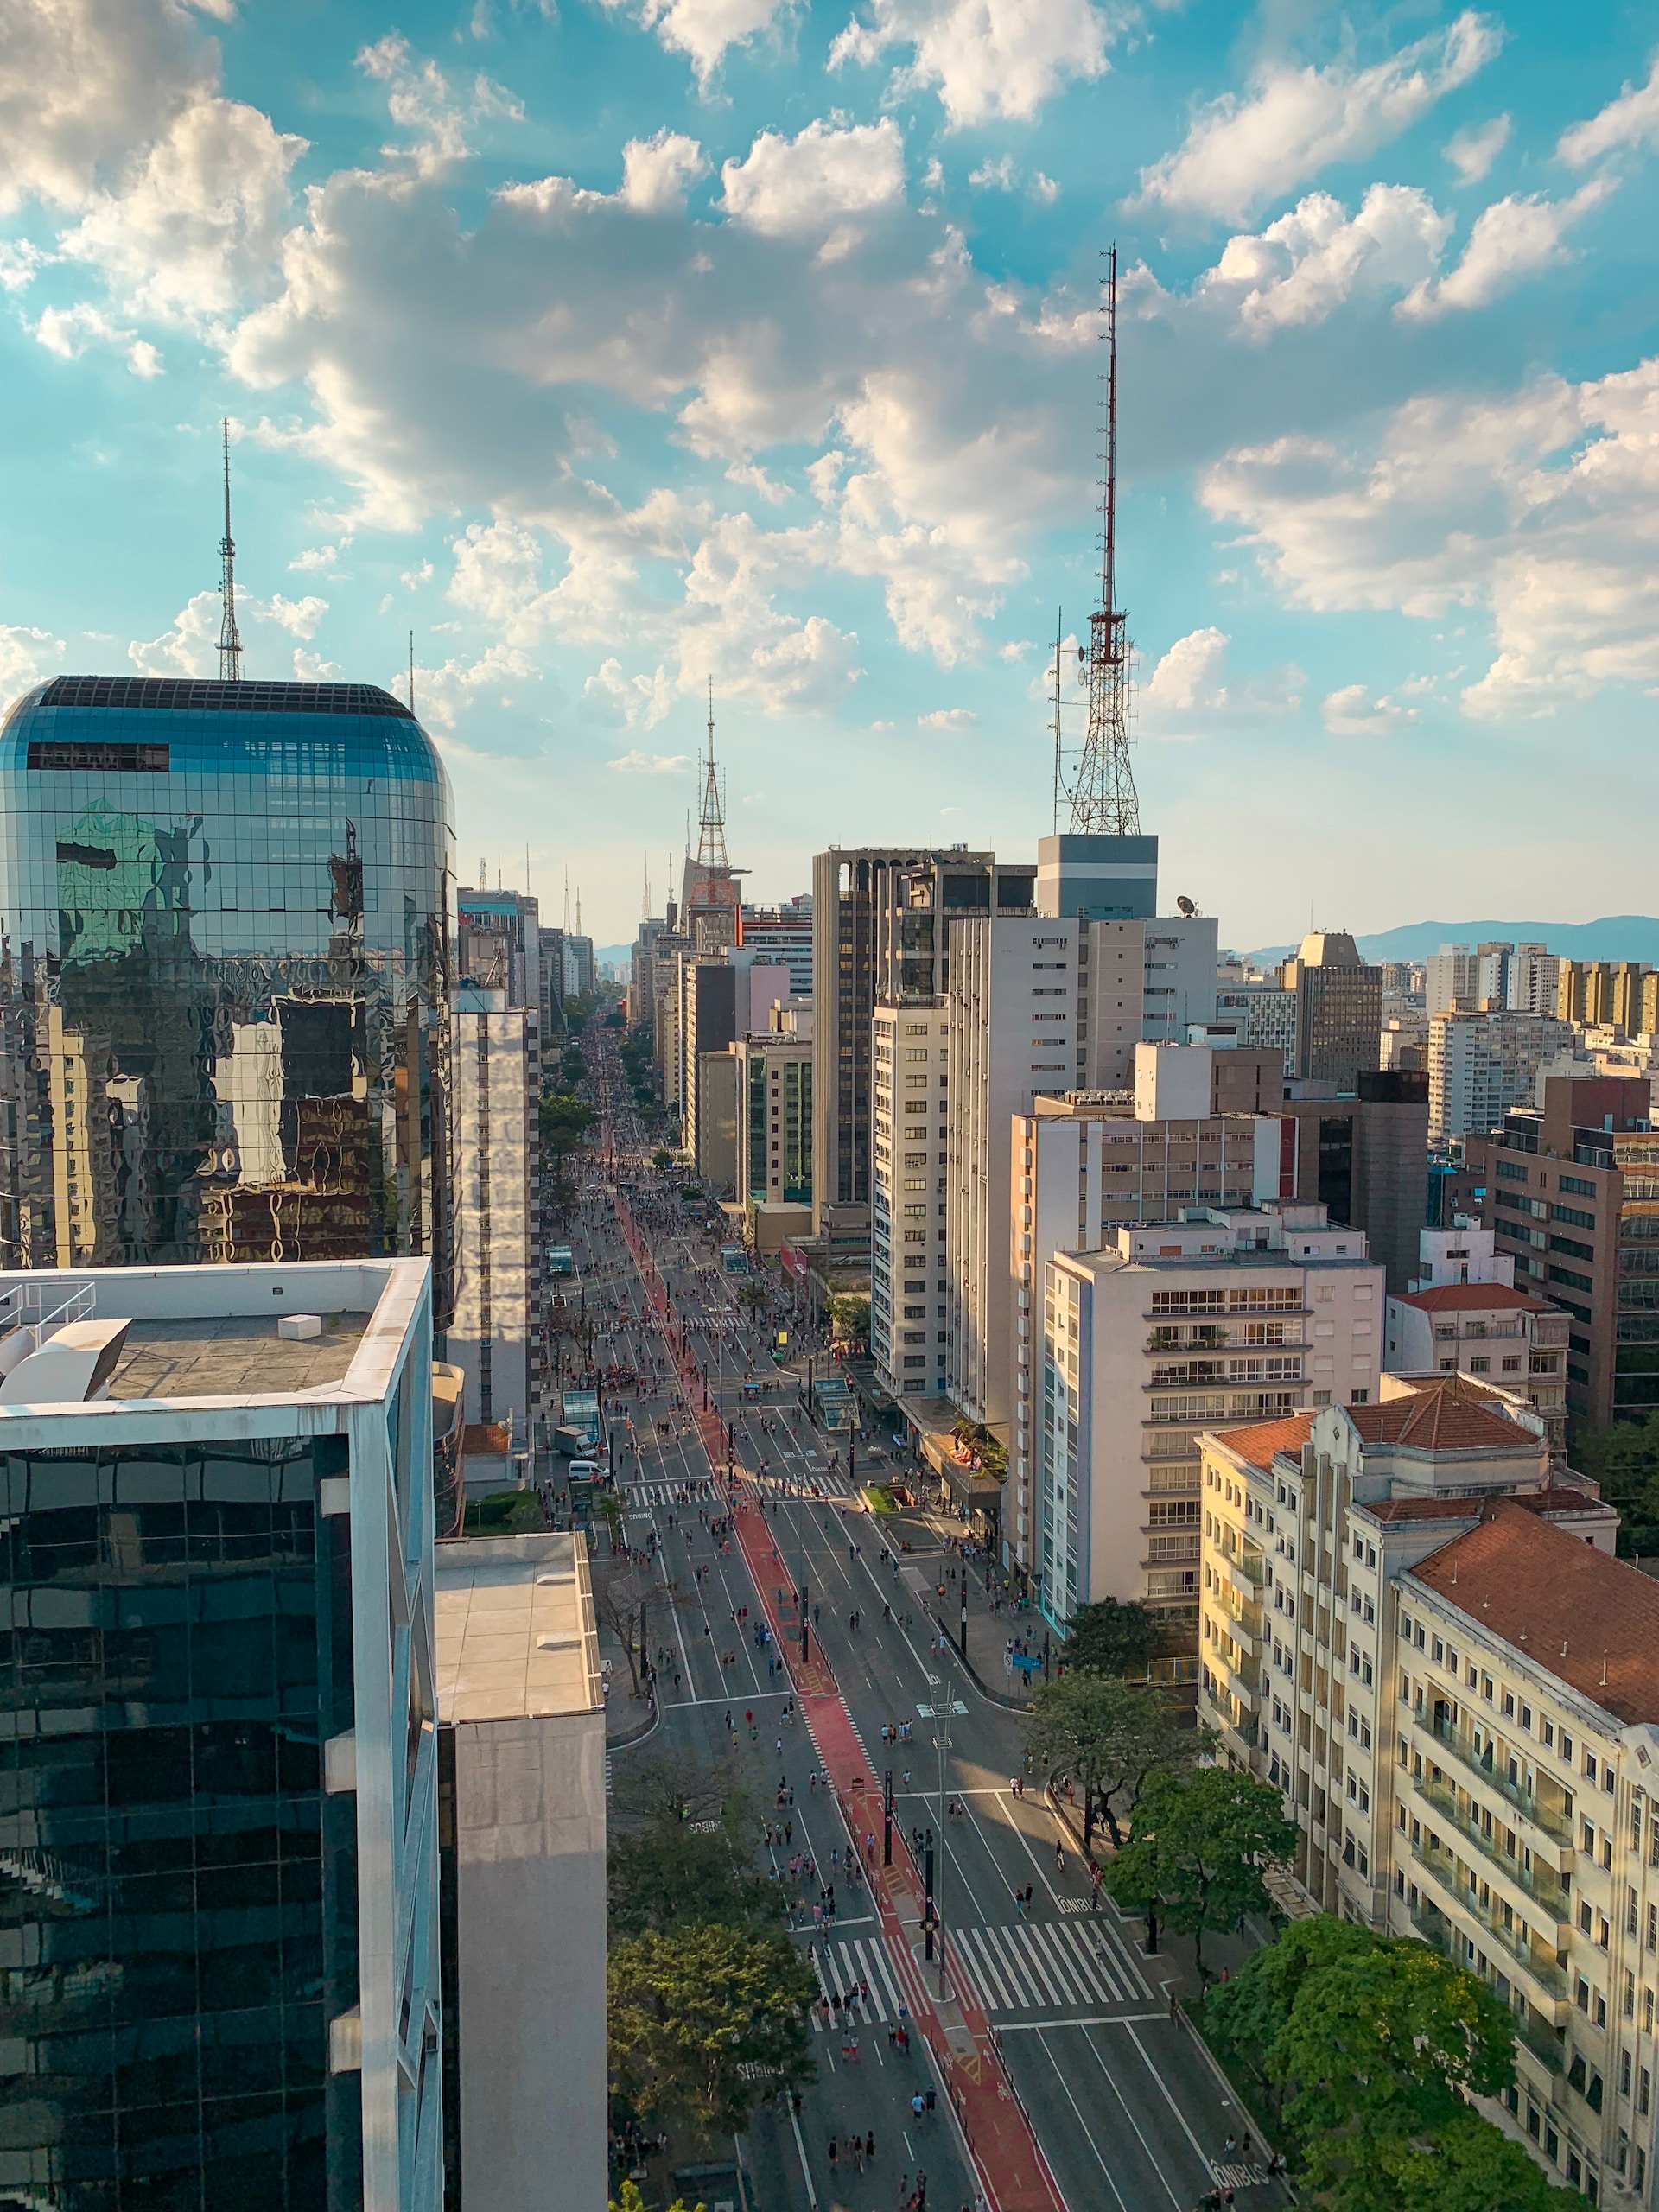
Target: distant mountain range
x,y
1615,937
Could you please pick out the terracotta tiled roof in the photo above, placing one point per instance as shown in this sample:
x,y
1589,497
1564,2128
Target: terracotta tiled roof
x,y
1441,1420
1590,1620
1263,1441
1472,1298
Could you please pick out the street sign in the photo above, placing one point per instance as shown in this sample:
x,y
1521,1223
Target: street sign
x,y
1028,1663
929,1712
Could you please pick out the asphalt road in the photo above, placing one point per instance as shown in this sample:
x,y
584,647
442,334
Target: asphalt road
x,y
1125,2105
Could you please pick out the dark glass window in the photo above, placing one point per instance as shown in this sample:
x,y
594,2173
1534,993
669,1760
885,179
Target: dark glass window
x,y
178,1899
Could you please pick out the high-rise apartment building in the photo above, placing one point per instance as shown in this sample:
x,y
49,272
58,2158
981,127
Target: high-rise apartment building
x,y
1452,975
910,1087
1572,1190
1480,1064
1264,1012
1225,1314
219,1830
1534,980
1606,993
1309,1526
498,944
880,919
774,1115
224,1015
1013,1012
499,1337
1084,1166
782,933
1338,1009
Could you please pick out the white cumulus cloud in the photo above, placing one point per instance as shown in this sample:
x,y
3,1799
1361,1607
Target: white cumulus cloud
x,y
1351,712
1631,120
1540,509
986,58
1242,151
26,654
650,764
801,186
948,718
1473,150
1305,266
1511,240
657,170
703,29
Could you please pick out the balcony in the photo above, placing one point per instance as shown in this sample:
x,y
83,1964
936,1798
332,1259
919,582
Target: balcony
x,y
1541,1884
1514,1943
1540,2039
1554,1820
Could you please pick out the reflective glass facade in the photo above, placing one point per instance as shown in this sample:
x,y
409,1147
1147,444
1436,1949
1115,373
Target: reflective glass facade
x,y
223,993
178,1896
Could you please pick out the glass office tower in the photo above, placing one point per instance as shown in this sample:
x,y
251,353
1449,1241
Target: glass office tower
x,y
223,993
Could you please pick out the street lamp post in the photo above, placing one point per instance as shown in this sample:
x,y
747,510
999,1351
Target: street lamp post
x,y
942,1709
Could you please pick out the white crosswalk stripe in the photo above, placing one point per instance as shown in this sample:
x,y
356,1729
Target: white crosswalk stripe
x,y
840,1965
1048,1966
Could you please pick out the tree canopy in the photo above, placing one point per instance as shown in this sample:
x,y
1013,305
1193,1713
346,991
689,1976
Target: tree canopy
x,y
1624,1460
1112,1736
1373,2045
666,1874
1113,1637
1200,1844
706,2021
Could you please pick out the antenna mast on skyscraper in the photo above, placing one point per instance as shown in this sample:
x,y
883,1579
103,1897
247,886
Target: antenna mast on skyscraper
x,y
645,910
1102,793
711,828
229,641
1059,641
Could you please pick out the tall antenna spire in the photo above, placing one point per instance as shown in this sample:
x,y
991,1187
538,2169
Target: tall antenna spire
x,y
711,828
1054,726
1102,789
567,899
411,671
644,909
578,910
230,640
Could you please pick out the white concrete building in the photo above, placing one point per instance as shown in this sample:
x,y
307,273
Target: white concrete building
x,y
1012,1009
521,1749
1480,1064
217,1488
497,1337
1223,1315
910,1090
1462,1314
1451,974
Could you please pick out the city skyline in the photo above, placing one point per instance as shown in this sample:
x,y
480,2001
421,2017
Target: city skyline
x,y
777,369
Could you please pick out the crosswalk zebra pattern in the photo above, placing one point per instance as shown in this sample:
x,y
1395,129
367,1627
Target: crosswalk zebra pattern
x,y
1037,1967
1043,1966
670,1493
843,1967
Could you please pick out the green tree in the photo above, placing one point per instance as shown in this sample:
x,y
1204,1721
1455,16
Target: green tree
x,y
1248,2014
666,1874
1112,1736
1383,2046
705,2022
1113,1637
1470,2166
631,2201
1200,1845
849,1319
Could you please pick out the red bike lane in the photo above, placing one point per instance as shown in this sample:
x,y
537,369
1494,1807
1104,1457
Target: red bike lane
x,y
1002,2146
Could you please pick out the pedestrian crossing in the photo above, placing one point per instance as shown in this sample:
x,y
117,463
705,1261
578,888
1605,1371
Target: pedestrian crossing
x,y
1036,1967
846,1968
1044,1965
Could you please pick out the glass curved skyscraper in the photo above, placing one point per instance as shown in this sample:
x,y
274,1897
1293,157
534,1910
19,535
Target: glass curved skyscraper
x,y
224,975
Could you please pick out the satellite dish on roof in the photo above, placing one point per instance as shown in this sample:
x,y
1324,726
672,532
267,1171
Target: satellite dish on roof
x,y
1188,907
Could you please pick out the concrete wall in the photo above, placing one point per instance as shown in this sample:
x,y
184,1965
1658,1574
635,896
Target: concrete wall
x,y
529,1837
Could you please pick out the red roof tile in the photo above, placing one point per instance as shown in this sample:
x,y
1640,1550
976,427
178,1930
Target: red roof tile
x,y
1441,1420
1263,1441
1592,1621
1558,1499
1472,1298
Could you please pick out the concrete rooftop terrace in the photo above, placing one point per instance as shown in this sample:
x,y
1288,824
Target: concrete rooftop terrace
x,y
235,1356
514,1617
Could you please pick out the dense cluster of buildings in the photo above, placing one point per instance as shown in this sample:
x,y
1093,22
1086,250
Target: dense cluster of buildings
x,y
300,1777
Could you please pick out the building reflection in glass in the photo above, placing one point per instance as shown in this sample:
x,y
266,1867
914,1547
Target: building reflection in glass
x,y
224,992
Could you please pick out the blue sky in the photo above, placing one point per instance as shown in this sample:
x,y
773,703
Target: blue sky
x,y
617,344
